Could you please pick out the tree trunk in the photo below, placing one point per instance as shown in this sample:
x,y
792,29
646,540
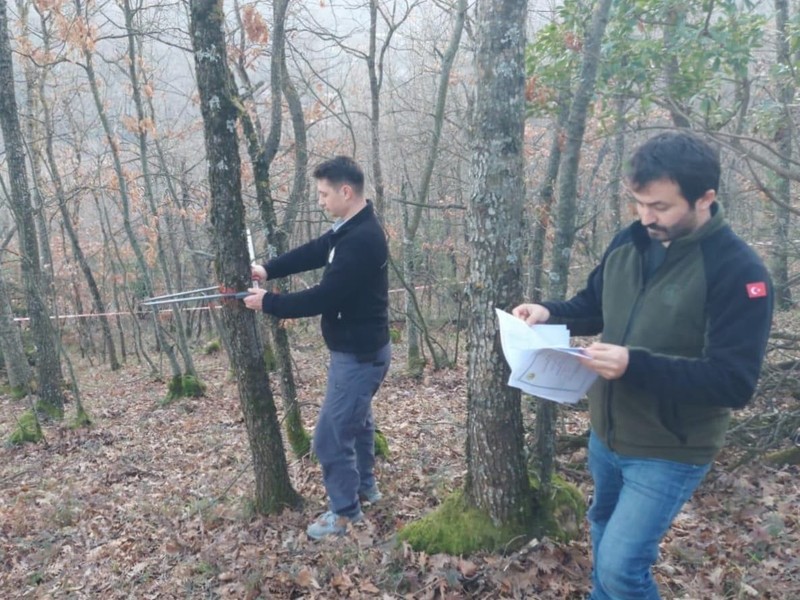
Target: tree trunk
x,y
546,197
615,191
77,250
414,361
17,367
274,491
124,196
781,252
374,68
497,479
48,362
547,412
261,157
141,136
568,172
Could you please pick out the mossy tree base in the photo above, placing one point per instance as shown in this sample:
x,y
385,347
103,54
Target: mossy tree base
x,y
49,411
28,430
184,386
456,528
459,529
18,392
299,438
381,445
81,419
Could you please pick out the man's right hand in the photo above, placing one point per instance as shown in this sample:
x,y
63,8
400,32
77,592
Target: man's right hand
x,y
258,273
531,313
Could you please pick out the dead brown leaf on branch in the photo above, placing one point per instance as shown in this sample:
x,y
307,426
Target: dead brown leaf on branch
x,y
154,502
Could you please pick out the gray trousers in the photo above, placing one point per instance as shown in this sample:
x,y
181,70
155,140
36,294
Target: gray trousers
x,y
344,438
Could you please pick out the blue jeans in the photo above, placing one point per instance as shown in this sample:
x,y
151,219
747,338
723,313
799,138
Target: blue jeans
x,y
634,503
344,438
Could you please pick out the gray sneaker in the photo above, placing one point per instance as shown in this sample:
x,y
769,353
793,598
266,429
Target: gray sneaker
x,y
330,523
370,495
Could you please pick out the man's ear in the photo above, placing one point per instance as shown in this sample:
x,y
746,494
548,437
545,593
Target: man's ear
x,y
347,191
705,201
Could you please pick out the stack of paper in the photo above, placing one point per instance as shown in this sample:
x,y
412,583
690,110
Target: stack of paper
x,y
541,360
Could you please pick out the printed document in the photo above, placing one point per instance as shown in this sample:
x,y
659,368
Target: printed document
x,y
541,360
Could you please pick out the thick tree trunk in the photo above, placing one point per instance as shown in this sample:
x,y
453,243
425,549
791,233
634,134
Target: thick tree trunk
x,y
274,491
497,479
48,362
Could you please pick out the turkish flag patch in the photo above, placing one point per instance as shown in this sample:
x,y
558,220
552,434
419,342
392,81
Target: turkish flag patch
x,y
757,290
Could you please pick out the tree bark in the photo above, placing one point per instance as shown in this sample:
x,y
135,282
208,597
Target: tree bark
x,y
497,480
48,361
274,491
781,252
17,367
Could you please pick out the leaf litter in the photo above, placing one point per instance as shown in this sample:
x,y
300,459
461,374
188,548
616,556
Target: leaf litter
x,y
155,502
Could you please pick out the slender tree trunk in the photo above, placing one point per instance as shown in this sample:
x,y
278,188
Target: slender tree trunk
x,y
546,197
124,196
141,135
261,157
411,225
48,363
784,139
497,479
547,412
615,191
374,69
218,103
568,172
77,250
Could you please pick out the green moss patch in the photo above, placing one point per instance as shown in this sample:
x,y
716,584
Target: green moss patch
x,y
184,386
456,528
28,429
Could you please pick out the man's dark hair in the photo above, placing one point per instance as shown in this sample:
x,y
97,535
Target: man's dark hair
x,y
678,156
339,170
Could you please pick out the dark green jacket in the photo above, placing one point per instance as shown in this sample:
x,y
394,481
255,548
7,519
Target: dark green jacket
x,y
696,328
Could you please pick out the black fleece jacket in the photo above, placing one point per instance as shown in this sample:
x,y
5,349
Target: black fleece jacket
x,y
696,329
353,294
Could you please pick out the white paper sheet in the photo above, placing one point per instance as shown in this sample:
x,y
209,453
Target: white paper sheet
x,y
542,362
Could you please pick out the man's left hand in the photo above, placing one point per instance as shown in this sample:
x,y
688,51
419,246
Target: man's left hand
x,y
607,360
255,299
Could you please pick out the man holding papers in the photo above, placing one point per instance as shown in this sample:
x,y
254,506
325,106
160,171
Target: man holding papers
x,y
684,307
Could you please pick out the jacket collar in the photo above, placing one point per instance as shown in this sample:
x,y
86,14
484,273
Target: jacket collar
x,y
363,215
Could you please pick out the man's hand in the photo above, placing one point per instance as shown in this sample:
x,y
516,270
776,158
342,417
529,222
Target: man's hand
x,y
531,313
258,273
607,360
253,301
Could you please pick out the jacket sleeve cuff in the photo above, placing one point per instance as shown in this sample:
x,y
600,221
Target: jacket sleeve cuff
x,y
268,302
635,373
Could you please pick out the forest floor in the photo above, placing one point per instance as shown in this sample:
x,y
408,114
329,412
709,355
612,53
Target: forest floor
x,y
153,501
